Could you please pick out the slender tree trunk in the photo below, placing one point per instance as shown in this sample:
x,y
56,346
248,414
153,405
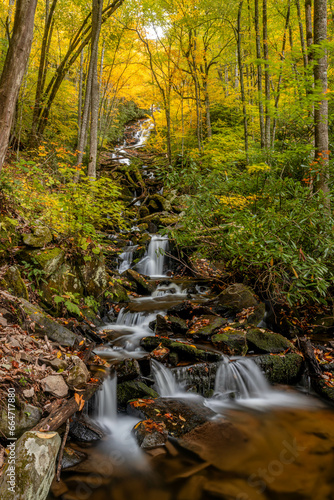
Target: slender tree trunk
x,y
301,32
259,72
241,75
14,68
80,93
321,107
266,75
95,90
277,97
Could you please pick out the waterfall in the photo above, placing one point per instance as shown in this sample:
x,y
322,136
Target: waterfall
x,y
242,378
107,400
126,258
154,260
165,383
171,288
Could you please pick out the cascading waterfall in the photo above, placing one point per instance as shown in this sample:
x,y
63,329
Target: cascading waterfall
x,y
126,258
154,260
106,404
165,383
171,288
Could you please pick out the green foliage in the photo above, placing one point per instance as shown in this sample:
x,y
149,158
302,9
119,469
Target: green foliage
x,y
33,273
70,302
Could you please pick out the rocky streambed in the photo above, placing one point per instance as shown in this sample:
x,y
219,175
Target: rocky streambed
x,y
166,381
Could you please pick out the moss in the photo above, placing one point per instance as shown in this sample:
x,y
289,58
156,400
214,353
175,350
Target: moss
x,y
265,341
168,221
199,329
49,260
231,343
8,236
13,282
133,389
281,369
185,351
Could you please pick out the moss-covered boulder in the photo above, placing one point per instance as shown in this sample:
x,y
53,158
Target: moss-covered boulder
x,y
205,326
178,325
169,220
143,212
237,297
281,369
142,285
186,352
324,390
13,283
231,342
39,237
30,477
94,276
260,340
9,237
117,292
48,260
128,369
133,389
45,325
257,315
26,417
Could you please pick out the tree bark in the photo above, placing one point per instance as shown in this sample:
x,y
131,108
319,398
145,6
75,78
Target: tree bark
x,y
301,33
241,76
266,75
95,90
321,107
14,68
259,70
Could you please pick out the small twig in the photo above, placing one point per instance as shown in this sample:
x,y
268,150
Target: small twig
x,y
61,453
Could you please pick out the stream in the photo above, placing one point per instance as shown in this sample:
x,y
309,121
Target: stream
x,y
260,442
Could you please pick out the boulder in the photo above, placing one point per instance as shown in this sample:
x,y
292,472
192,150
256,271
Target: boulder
x,y
78,375
94,276
40,236
183,310
281,369
35,459
237,297
150,434
25,419
143,211
49,259
71,458
231,342
178,416
118,292
178,325
161,326
324,390
55,384
257,315
185,352
205,326
133,389
13,283
143,287
199,378
45,325
261,341
85,432
8,236
128,369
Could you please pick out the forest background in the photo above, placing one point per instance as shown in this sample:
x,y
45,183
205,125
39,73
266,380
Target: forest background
x,y
240,97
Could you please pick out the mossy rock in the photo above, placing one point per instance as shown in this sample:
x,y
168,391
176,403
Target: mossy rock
x,y
40,236
185,351
9,238
143,287
162,203
237,297
257,315
169,221
93,276
323,390
13,283
49,260
25,419
143,227
143,212
133,389
261,341
178,325
34,469
280,369
150,218
118,292
153,207
205,326
144,239
66,280
231,342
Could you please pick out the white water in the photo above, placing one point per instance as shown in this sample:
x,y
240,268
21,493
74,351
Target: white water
x,y
164,380
154,260
126,258
171,288
120,440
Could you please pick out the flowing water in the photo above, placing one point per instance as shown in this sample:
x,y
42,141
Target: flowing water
x,y
262,443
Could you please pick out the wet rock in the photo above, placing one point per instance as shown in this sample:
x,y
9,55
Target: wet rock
x,y
71,458
323,389
40,237
133,389
323,324
13,283
231,342
173,358
56,385
36,454
179,416
25,419
205,326
257,315
178,325
185,352
161,326
85,432
78,375
237,297
160,353
128,369
183,310
199,378
45,325
143,287
150,434
56,363
118,292
280,369
260,340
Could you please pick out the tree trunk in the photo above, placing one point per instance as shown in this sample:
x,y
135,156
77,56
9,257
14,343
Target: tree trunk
x,y
14,68
95,90
321,107
266,75
259,71
80,93
241,75
301,32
